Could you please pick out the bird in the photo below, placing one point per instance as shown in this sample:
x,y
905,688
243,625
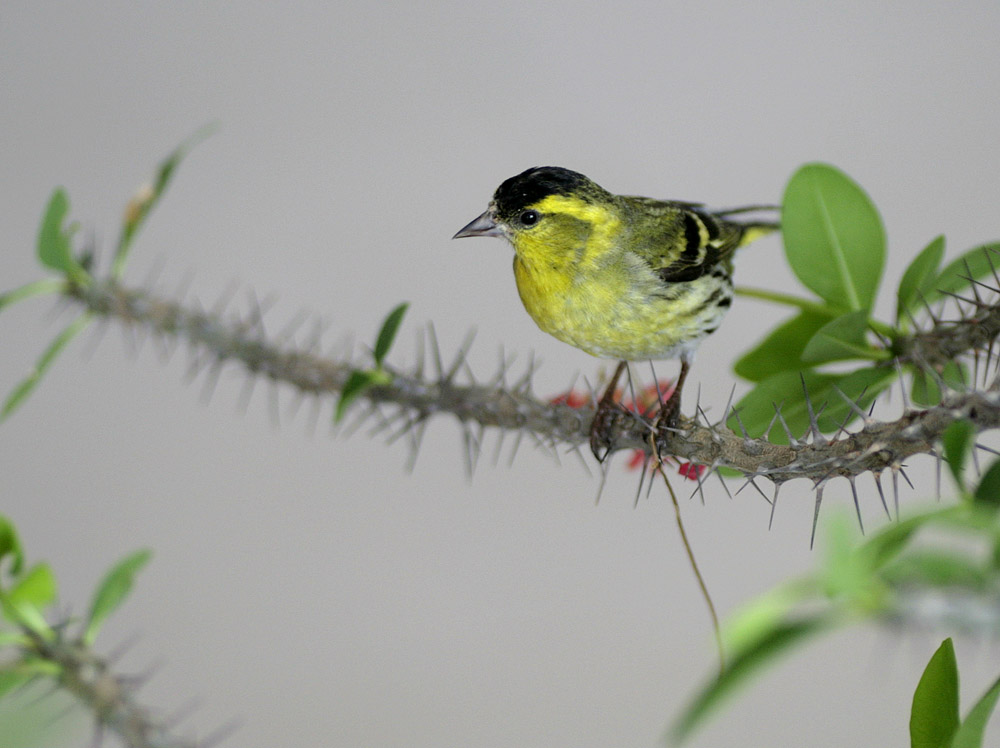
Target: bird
x,y
618,276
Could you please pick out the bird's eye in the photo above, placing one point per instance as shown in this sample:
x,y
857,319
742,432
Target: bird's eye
x,y
529,217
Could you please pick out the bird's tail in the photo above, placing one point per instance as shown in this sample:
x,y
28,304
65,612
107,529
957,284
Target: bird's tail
x,y
752,230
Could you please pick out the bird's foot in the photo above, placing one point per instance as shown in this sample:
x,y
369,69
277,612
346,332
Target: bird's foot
x,y
608,410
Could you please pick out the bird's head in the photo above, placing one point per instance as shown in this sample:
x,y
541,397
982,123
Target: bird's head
x,y
548,213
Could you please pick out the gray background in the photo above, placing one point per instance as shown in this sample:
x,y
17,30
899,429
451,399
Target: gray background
x,y
310,586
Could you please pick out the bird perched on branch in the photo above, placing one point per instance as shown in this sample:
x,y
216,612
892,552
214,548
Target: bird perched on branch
x,y
617,276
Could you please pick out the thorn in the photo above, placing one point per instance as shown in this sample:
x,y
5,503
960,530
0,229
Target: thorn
x,y
881,493
819,500
986,449
854,406
435,351
774,505
642,477
907,407
225,298
211,380
813,422
857,506
746,436
774,418
937,473
312,422
274,406
895,489
517,444
750,482
792,441
416,439
715,469
291,327
729,405
605,468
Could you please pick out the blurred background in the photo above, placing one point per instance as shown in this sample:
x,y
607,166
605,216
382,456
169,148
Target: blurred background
x,y
311,588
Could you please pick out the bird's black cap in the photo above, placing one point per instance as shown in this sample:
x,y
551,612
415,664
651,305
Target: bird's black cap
x,y
539,182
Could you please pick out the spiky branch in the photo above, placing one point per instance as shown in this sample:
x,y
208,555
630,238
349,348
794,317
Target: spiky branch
x,y
873,448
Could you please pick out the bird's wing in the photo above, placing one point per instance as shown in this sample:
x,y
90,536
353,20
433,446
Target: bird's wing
x,y
680,241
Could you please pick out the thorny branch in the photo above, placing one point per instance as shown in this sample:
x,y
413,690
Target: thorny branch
x,y
874,447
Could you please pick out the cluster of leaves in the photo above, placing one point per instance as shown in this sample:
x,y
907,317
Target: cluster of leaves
x,y
836,245
55,251
27,598
947,552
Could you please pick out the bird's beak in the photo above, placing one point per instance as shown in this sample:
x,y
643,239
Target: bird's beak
x,y
483,225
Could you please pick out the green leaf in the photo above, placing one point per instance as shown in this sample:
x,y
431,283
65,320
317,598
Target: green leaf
x,y
24,603
785,389
934,715
926,389
988,490
10,545
842,338
356,383
940,569
957,440
113,590
54,246
28,384
764,613
888,542
970,732
833,235
37,288
37,587
743,664
146,198
919,277
782,349
388,332
976,263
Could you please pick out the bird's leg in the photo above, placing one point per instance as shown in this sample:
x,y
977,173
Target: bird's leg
x,y
607,409
666,421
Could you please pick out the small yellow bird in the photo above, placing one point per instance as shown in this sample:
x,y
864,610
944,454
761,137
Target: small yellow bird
x,y
617,276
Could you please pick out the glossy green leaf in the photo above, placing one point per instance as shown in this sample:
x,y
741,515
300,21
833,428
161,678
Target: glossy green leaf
x,y
143,202
10,546
113,590
742,665
988,490
840,339
756,408
356,383
388,332
970,732
28,384
833,235
977,263
781,350
919,277
957,441
934,714
54,246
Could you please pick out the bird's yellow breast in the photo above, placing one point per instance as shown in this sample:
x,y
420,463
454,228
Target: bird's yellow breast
x,y
612,305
